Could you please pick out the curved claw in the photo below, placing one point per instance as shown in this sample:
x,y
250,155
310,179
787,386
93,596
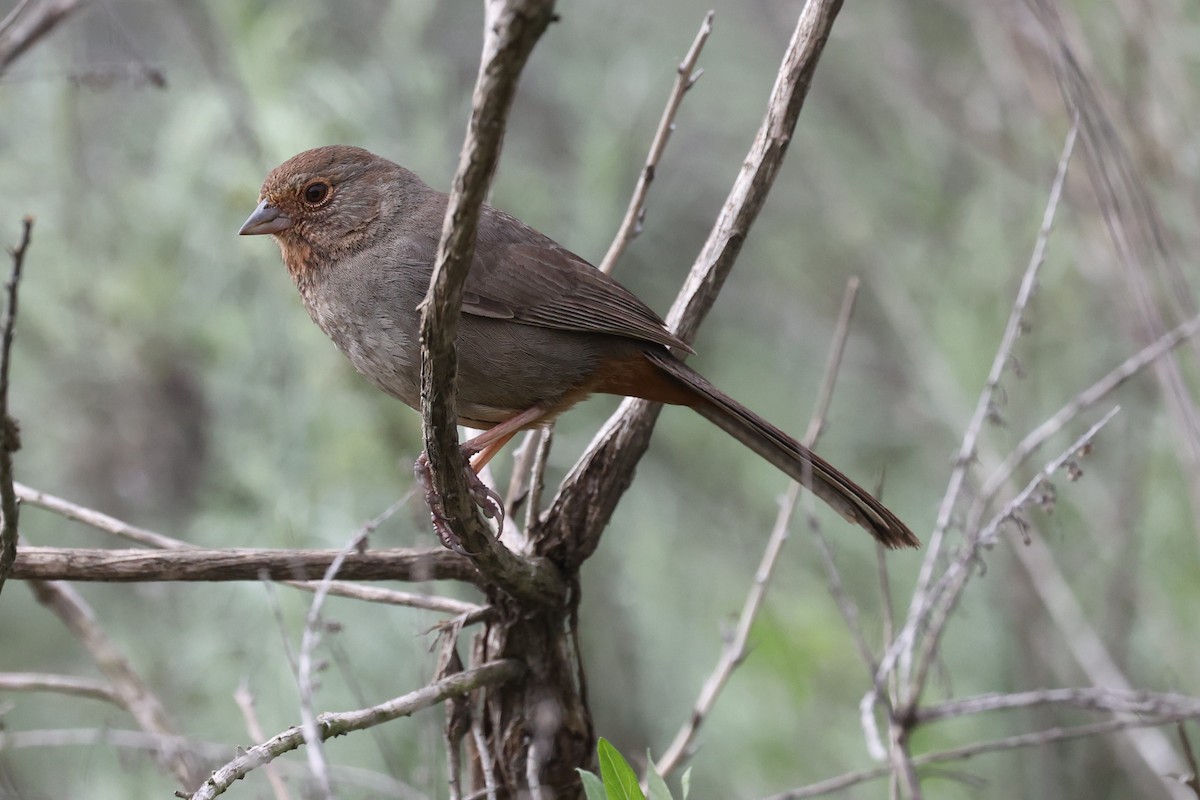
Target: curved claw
x,y
490,504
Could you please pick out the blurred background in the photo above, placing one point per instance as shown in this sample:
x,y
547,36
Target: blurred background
x,y
166,372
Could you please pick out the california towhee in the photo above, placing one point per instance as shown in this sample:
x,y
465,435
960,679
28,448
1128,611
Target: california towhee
x,y
541,328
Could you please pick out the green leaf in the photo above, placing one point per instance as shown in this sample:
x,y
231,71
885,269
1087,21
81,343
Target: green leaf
x,y
593,787
658,787
620,781
685,782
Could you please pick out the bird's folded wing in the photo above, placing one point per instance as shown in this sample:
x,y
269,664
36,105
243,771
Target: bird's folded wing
x,y
546,285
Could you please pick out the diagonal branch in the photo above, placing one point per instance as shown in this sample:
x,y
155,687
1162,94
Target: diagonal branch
x,y
943,595
509,40
1124,371
341,723
736,649
686,76
984,408
28,23
586,500
127,685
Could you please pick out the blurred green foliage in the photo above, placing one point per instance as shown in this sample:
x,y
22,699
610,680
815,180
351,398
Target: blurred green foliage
x,y
166,373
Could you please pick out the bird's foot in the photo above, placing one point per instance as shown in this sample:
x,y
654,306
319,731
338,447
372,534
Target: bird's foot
x,y
489,502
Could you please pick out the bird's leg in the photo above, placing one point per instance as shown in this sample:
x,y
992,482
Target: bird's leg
x,y
483,448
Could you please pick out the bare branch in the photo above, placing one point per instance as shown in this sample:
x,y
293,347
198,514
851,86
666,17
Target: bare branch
x,y
10,437
1129,368
735,650
237,564
635,216
944,602
985,408
1114,701
370,594
1033,739
311,636
585,502
96,519
845,603
59,684
944,594
131,691
245,703
512,35
340,723
28,23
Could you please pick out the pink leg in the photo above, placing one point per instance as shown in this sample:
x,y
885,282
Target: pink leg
x,y
485,446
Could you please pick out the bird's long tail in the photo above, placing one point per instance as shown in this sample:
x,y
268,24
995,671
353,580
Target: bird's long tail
x,y
794,459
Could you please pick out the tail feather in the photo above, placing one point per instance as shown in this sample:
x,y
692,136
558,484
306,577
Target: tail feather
x,y
794,459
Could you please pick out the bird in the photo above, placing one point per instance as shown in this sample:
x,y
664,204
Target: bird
x,y
540,329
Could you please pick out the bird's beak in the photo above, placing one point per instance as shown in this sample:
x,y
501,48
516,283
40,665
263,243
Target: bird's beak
x,y
265,219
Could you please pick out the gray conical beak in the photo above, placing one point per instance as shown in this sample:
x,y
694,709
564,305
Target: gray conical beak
x,y
265,219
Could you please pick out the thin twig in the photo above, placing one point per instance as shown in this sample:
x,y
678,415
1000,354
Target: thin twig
x,y
945,604
902,763
341,723
95,519
735,650
10,437
20,31
370,594
686,76
844,602
487,764
1129,368
944,594
59,684
133,693
1115,701
537,476
1033,739
311,636
985,408
245,702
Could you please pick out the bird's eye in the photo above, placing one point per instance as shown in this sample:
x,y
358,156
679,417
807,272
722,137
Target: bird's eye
x,y
316,193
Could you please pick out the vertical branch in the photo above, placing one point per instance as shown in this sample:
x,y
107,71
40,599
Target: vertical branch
x,y
10,437
510,36
985,408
